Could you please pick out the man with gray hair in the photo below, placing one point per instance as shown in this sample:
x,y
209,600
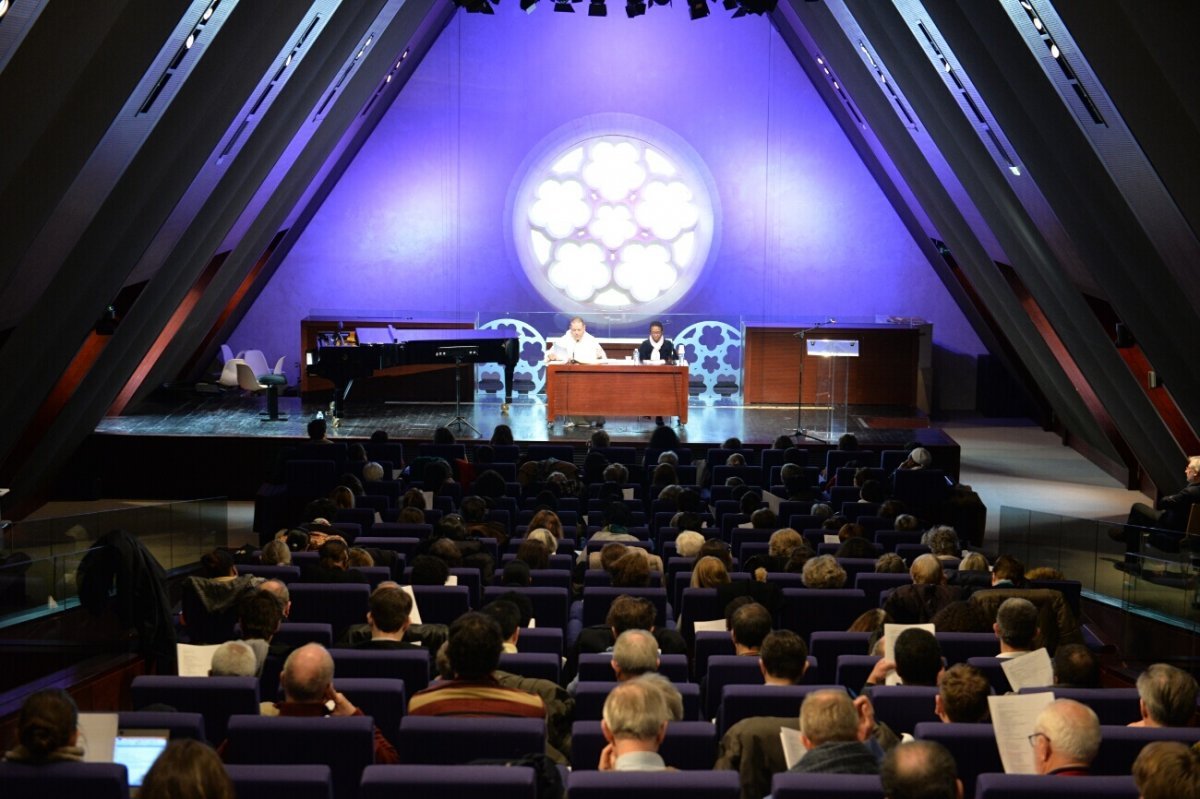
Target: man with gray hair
x,y
942,541
279,590
634,724
1166,697
1016,627
1065,739
233,659
833,729
635,653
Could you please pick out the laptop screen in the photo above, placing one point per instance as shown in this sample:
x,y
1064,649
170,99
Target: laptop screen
x,y
138,753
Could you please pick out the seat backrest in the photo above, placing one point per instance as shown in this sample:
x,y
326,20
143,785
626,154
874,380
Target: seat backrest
x,y
904,706
247,381
299,633
596,602
993,669
93,780
284,574
309,478
739,702
659,784
344,743
1036,786
551,578
406,545
437,782
549,604
442,604
215,698
590,696
337,604
180,725
826,786
961,647
382,698
532,664
726,670
875,583
229,372
363,517
827,645
687,745
853,670
809,609
697,604
1120,745
973,747
541,639
409,665
890,539
541,452
282,782
1113,706
449,740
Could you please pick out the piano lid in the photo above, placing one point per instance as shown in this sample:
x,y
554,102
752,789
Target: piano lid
x,y
384,335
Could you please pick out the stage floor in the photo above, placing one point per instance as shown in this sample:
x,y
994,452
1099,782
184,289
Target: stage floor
x,y
237,416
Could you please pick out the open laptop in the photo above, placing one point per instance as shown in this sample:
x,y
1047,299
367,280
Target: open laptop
x,y
105,742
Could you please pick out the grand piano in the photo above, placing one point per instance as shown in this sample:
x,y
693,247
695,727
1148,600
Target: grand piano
x,y
343,356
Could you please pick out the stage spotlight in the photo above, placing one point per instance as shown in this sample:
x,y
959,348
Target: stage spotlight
x,y
635,8
3,7
698,9
528,6
564,6
730,5
596,8
476,6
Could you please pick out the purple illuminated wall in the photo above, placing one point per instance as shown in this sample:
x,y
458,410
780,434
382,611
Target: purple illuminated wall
x,y
418,221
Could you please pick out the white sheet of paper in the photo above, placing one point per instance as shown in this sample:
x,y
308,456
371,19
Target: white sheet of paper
x,y
831,538
713,626
97,731
745,525
1031,670
451,580
772,501
532,622
793,747
428,498
415,616
194,660
627,493
1013,719
890,633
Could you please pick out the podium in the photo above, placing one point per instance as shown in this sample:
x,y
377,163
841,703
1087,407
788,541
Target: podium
x,y
832,357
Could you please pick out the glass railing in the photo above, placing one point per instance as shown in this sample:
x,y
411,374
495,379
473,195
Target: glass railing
x,y
42,556
1153,581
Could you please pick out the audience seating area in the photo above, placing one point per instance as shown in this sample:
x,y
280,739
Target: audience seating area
x,y
332,757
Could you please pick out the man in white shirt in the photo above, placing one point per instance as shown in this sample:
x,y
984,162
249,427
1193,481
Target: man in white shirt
x,y
634,725
578,346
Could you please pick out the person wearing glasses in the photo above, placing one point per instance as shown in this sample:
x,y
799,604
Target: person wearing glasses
x,y
1065,740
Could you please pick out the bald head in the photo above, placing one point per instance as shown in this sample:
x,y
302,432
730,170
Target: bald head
x,y
1067,735
828,715
279,590
307,674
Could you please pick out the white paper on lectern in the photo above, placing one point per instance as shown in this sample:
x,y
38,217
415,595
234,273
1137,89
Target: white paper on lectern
x,y
194,660
1013,719
793,747
1031,670
415,616
890,633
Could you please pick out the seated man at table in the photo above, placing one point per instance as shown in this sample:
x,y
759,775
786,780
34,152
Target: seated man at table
x,y
578,346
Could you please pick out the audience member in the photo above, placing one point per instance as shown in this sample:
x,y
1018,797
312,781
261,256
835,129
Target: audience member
x,y
307,682
1171,511
634,725
473,651
962,696
688,543
832,729
631,570
783,658
260,615
709,572
823,571
1008,572
1016,627
276,553
187,769
389,615
360,558
905,522
749,626
279,590
333,567
961,617
918,660
532,552
1065,739
920,770
47,729
429,570
1167,770
919,603
1076,667
1166,697
629,613
890,563
635,653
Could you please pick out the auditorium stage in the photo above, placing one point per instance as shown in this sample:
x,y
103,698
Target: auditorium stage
x,y
217,445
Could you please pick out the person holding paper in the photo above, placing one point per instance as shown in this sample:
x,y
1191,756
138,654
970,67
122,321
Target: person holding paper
x,y
833,730
918,660
1065,739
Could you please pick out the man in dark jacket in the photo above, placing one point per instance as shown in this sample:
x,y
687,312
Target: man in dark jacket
x,y
1171,513
833,729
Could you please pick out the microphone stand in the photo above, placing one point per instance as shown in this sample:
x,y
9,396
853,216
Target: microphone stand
x,y
801,431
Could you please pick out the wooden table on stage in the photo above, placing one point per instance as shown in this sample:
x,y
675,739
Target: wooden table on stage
x,y
616,390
